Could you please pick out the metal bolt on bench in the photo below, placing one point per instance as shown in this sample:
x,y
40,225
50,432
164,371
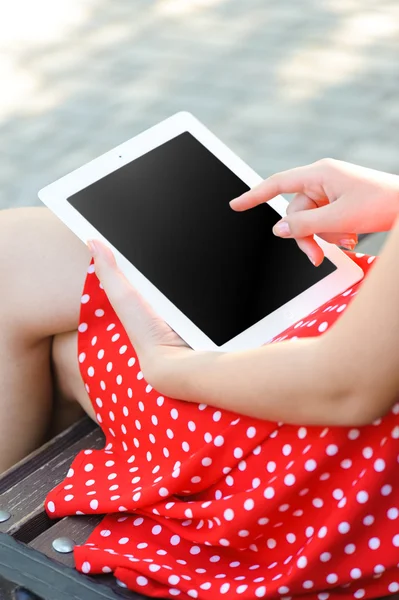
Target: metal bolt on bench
x,y
4,516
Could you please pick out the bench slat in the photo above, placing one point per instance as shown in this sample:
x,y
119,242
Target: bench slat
x,y
25,499
49,580
76,528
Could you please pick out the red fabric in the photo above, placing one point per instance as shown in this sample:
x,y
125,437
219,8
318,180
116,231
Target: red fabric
x,y
204,503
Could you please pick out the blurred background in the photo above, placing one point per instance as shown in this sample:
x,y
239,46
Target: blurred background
x,y
281,82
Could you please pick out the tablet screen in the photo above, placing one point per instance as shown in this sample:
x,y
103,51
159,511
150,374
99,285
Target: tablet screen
x,y
168,213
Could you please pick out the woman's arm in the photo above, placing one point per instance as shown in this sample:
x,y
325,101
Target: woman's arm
x,y
348,376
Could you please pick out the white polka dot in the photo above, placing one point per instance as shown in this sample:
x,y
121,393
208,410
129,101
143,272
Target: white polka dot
x,y
322,327
228,514
356,573
51,506
362,497
86,567
249,504
393,513
283,590
344,527
82,327
353,434
368,520
350,549
302,562
238,452
260,592
395,540
338,494
325,556
289,479
287,449
142,581
332,449
105,533
269,493
94,504
224,542
241,589
374,543
219,440
386,489
251,432
332,578
123,541
393,587
310,465
271,466
322,532
175,540
379,465
395,432
308,584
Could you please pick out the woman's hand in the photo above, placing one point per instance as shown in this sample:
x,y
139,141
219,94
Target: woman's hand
x,y
154,341
334,199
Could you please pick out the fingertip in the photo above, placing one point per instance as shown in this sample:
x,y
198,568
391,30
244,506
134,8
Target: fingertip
x,y
91,244
316,258
235,203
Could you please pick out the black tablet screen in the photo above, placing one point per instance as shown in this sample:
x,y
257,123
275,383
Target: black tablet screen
x,y
168,213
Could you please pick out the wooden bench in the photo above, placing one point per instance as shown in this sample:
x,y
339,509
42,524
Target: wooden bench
x,y
27,558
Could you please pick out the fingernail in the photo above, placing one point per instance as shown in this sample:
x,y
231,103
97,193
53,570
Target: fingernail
x,y
350,244
312,261
282,229
233,202
93,247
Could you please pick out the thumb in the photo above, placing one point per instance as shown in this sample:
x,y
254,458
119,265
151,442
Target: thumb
x,y
135,314
305,223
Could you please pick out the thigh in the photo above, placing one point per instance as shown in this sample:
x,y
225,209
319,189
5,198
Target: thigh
x,y
44,266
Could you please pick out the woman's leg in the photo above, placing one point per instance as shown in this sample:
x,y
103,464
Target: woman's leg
x,y
42,271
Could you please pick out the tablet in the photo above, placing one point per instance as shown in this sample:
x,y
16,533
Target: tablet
x,y
219,278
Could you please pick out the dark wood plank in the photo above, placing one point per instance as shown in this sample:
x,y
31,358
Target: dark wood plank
x,y
50,580
45,453
25,499
76,528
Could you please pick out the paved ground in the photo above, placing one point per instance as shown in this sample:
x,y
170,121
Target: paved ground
x,y
283,83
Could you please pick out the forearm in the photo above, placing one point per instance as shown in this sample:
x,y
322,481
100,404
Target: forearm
x,y
289,381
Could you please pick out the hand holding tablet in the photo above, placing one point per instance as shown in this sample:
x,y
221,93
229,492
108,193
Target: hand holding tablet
x,y
219,278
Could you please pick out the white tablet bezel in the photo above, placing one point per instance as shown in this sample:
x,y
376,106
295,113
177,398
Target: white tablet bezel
x,y
55,196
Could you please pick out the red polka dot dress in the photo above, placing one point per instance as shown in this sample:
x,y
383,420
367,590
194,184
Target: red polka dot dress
x,y
204,503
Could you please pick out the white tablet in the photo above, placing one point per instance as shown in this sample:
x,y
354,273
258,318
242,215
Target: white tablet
x,y
219,278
